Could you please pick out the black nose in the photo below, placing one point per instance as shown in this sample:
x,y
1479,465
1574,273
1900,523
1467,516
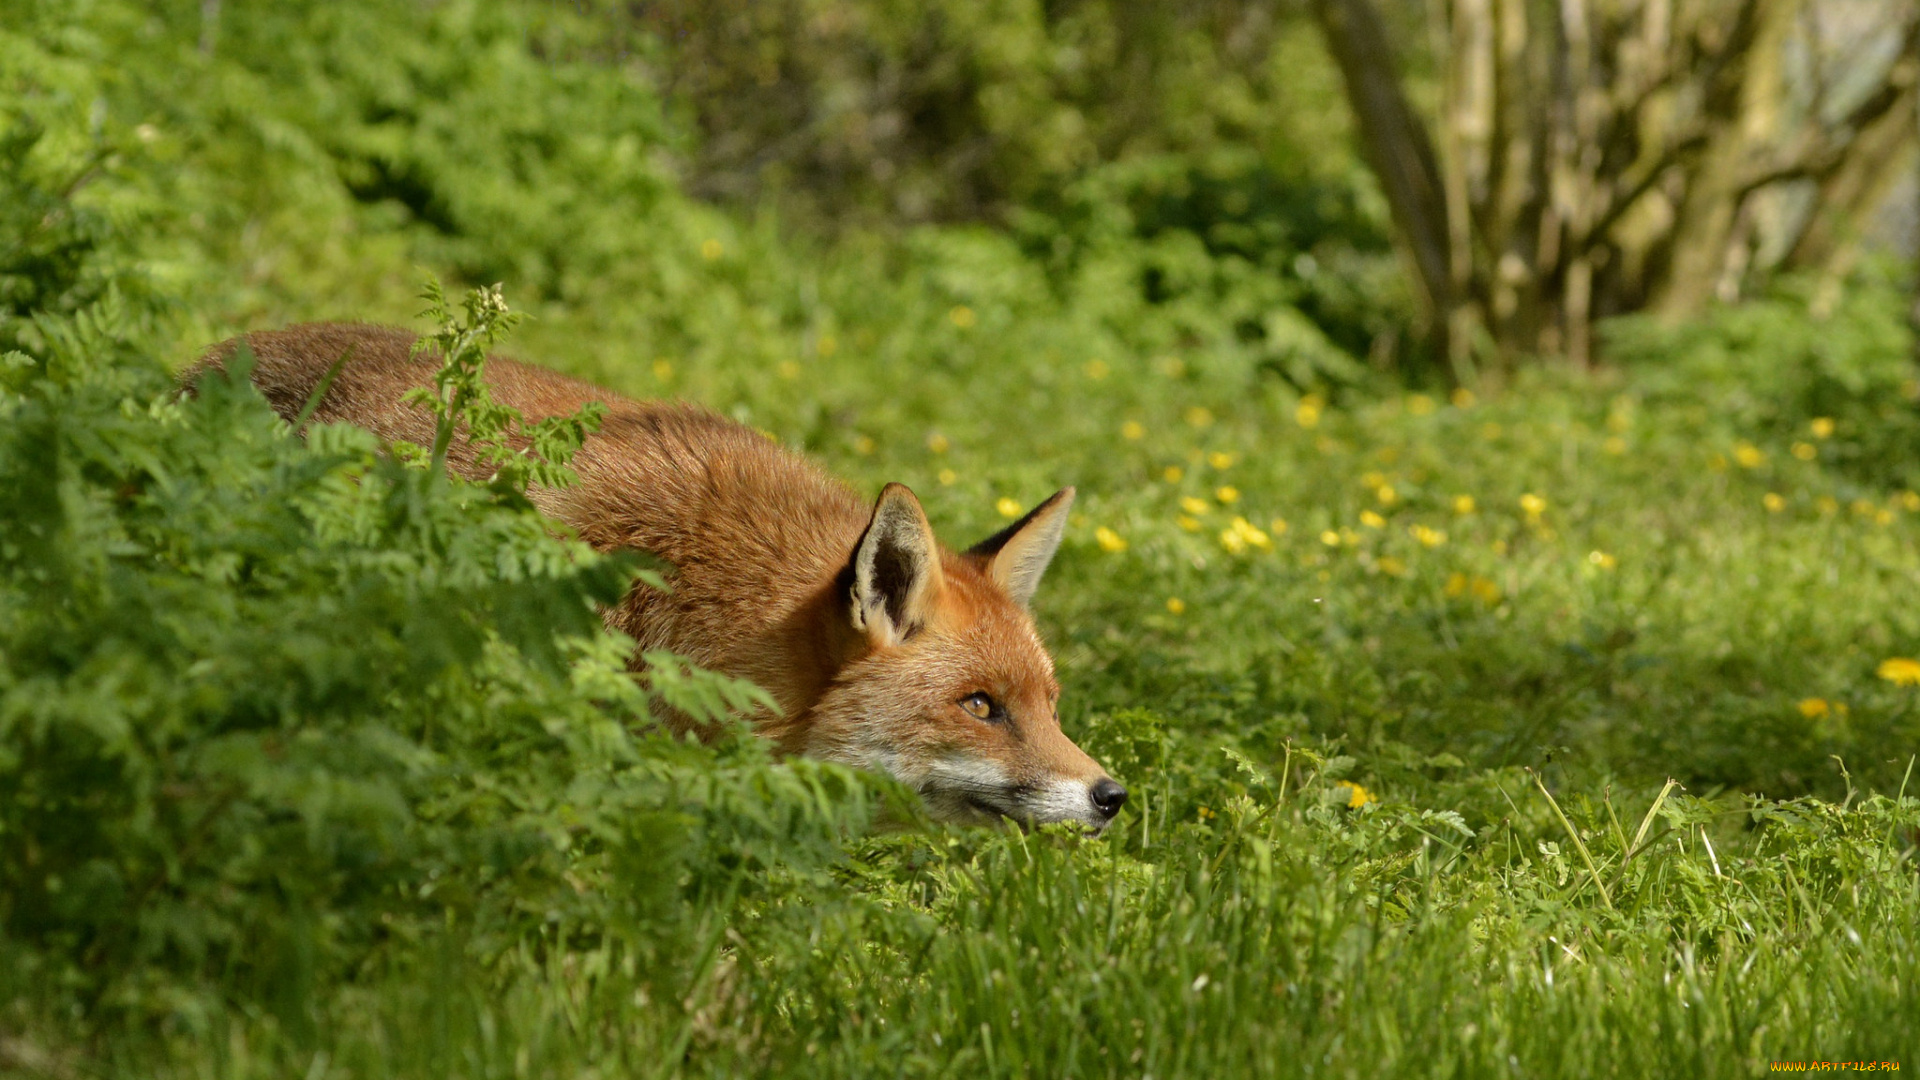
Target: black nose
x,y
1108,797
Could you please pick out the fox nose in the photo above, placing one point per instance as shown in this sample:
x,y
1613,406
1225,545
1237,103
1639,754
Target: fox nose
x,y
1108,796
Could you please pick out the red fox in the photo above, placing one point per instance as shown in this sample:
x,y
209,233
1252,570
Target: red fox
x,y
884,649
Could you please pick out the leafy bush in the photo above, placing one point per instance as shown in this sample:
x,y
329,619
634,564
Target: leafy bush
x,y
269,706
1843,381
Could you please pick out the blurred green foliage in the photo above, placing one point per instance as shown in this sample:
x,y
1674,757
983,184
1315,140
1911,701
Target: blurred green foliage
x,y
312,762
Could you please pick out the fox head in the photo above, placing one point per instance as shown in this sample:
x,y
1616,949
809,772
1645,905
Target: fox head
x,y
948,688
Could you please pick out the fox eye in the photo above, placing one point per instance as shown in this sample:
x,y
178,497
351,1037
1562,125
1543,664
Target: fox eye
x,y
980,706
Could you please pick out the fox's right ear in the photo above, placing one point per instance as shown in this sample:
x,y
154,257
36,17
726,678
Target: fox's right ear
x,y
896,569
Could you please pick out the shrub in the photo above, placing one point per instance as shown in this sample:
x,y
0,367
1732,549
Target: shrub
x,y
268,706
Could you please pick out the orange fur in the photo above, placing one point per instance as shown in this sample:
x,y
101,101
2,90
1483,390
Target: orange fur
x,y
873,658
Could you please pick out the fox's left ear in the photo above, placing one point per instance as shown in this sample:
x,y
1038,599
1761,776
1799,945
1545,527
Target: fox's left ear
x,y
1017,555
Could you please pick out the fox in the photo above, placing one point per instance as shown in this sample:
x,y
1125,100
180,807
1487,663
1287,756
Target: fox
x,y
882,648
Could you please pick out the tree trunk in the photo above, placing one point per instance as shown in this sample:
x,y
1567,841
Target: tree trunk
x,y
1607,156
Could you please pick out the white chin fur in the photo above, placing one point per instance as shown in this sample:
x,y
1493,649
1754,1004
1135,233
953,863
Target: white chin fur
x,y
968,790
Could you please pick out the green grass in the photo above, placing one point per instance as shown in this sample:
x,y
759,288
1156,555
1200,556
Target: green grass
x,y
1398,765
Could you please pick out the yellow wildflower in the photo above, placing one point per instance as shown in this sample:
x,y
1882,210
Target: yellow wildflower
x,y
1883,517
1307,413
1109,540
1386,494
1176,605
711,250
1330,538
863,444
1863,507
1428,537
1191,524
1278,526
1133,431
1372,520
1814,708
1354,795
1463,504
1805,451
1227,494
1372,479
1173,473
1602,560
1827,504
1533,504
1822,427
1252,534
663,369
1194,506
938,443
1348,536
1097,370
1748,455
1773,502
826,346
1462,398
1392,566
1200,416
1900,671
1910,500
948,476
1220,459
962,316
1233,542
1419,404
1485,591
1614,445
1007,507
1456,584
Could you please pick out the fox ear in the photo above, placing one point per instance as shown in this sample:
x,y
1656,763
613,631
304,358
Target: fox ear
x,y
896,569
1017,555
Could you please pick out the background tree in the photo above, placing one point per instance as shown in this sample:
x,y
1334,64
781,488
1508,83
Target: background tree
x,y
1591,157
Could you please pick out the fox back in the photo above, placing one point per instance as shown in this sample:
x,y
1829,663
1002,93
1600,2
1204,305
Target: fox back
x,y
883,649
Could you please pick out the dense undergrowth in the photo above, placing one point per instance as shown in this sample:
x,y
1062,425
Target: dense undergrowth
x,y
314,762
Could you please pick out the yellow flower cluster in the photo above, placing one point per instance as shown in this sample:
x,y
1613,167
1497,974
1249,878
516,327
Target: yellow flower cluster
x,y
1481,589
1109,540
1900,671
1242,535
